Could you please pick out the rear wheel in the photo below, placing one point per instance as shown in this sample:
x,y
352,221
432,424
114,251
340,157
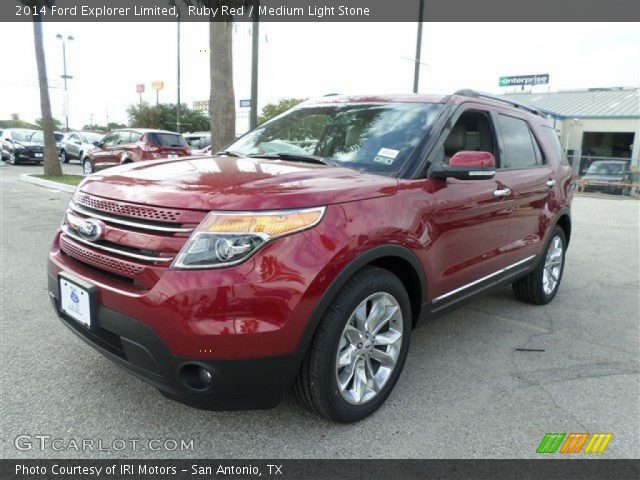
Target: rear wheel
x,y
359,348
87,167
63,157
541,285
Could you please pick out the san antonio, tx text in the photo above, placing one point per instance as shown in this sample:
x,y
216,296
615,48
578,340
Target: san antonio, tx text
x,y
246,470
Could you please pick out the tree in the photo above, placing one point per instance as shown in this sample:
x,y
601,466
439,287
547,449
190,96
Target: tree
x,y
57,124
163,117
222,102
51,164
271,110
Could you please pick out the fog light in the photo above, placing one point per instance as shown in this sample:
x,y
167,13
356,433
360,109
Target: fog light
x,y
196,377
204,376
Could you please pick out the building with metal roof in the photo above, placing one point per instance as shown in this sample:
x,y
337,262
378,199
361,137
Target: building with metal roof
x,y
592,124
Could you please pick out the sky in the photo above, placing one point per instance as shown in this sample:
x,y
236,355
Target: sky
x,y
306,60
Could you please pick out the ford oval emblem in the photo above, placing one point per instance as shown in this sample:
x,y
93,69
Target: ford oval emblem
x,y
89,230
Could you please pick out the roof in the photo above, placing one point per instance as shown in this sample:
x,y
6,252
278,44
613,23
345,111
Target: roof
x,y
390,98
591,103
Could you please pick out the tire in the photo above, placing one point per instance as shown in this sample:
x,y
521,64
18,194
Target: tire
x,y
13,160
317,385
532,288
87,167
63,157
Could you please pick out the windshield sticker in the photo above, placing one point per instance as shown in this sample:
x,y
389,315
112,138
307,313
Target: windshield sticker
x,y
386,156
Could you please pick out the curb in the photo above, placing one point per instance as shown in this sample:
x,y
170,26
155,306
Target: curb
x,y
27,178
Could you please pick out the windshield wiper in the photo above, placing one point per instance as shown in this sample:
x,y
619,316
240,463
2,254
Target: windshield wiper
x,y
229,153
292,156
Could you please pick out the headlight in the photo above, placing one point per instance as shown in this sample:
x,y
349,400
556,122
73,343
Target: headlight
x,y
226,238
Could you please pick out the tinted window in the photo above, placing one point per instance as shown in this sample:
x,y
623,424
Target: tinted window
x,y
552,139
166,139
472,132
518,143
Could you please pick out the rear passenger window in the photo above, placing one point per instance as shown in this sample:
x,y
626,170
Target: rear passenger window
x,y
552,139
519,144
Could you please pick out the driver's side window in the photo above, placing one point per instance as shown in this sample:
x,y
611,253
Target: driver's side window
x,y
471,132
110,139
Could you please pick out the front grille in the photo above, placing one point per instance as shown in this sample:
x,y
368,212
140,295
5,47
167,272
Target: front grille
x,y
99,260
129,210
137,242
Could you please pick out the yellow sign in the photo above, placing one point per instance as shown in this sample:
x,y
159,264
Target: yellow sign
x,y
157,85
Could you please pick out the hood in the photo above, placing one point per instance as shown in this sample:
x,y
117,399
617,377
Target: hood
x,y
27,144
231,183
604,178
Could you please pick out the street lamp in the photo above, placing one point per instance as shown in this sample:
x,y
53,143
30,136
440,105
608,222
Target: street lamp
x,y
65,77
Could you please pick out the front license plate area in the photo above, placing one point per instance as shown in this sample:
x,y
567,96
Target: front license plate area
x,y
76,300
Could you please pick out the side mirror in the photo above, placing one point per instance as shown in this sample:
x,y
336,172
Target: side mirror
x,y
466,165
98,144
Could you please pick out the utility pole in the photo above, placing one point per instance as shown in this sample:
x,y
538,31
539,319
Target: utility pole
x,y
64,76
255,39
178,109
416,74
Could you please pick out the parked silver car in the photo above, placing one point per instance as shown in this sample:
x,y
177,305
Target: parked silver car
x,y
77,145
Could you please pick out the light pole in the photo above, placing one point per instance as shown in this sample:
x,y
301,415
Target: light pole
x,y
178,105
416,73
255,40
65,77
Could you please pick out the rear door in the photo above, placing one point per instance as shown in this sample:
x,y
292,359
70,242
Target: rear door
x,y
531,183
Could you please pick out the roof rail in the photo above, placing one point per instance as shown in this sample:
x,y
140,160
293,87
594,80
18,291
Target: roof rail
x,y
488,96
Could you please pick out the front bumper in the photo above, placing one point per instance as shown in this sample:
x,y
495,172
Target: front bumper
x,y
237,384
30,155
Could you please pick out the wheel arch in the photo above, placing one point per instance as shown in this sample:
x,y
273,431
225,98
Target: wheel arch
x,y
564,222
399,260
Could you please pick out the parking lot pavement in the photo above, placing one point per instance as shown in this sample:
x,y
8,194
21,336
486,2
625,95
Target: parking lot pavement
x,y
465,390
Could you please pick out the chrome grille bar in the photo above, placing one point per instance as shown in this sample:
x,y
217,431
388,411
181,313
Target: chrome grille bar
x,y
143,226
145,258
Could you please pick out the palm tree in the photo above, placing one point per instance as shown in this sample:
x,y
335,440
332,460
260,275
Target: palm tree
x,y
222,104
51,163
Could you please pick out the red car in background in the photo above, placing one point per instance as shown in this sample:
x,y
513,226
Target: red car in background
x,y
133,145
304,254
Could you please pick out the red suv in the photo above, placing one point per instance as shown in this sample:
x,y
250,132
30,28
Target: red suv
x,y
133,145
304,254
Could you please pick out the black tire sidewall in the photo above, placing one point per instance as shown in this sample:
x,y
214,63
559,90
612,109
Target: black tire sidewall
x,y
339,408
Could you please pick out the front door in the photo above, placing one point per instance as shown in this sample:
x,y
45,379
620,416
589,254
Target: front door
x,y
471,216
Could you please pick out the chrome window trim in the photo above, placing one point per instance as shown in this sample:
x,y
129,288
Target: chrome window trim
x,y
67,232
143,226
480,280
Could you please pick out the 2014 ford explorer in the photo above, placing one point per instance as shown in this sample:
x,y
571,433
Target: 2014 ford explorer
x,y
304,253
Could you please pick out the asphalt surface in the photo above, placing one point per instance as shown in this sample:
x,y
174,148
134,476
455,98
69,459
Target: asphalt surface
x,y
465,391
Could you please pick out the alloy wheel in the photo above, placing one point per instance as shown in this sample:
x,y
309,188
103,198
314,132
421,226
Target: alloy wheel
x,y
87,167
553,265
369,348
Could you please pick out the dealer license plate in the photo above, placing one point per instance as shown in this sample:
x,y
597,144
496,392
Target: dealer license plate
x,y
75,301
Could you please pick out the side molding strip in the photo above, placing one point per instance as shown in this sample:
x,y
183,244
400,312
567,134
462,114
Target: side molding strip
x,y
480,280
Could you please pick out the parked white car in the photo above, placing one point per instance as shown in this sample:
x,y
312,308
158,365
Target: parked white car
x,y
77,145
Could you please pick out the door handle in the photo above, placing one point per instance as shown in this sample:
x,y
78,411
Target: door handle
x,y
502,192
551,183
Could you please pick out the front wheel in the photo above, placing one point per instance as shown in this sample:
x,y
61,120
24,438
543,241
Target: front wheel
x,y
13,160
63,157
87,167
359,348
541,285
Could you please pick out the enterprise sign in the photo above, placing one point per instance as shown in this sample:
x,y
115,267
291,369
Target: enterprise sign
x,y
518,80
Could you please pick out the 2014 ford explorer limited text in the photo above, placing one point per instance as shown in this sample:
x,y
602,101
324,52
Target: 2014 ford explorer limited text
x,y
304,253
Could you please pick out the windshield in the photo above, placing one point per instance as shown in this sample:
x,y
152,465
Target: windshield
x,y
21,135
375,138
606,168
38,137
90,137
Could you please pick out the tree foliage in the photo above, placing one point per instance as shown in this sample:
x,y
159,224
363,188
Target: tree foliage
x,y
163,117
274,109
57,124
